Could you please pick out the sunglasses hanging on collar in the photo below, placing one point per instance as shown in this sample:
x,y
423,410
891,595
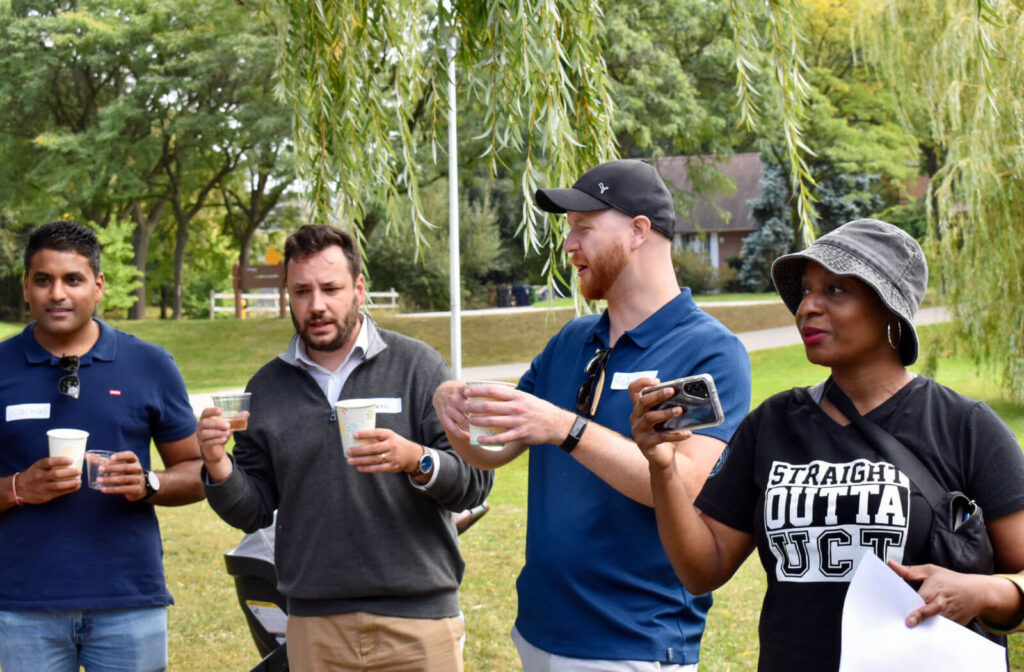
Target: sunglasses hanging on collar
x,y
69,385
589,394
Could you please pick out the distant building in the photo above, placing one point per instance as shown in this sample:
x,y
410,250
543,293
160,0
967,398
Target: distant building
x,y
716,223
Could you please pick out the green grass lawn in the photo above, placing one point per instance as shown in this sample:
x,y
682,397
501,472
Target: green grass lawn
x,y
9,329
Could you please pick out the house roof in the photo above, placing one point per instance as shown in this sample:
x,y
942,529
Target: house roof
x,y
715,211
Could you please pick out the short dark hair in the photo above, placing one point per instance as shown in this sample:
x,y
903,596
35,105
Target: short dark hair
x,y
65,236
313,238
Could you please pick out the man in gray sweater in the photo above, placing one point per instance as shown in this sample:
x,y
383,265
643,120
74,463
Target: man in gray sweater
x,y
366,550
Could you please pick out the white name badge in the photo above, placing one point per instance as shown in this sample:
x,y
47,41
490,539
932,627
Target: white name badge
x,y
28,412
622,379
388,404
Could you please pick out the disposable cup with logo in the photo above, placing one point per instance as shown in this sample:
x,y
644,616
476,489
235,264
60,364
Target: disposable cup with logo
x,y
353,416
68,443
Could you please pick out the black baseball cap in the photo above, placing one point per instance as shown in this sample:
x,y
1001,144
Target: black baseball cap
x,y
628,185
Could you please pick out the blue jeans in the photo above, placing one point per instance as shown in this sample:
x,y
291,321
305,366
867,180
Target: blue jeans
x,y
108,640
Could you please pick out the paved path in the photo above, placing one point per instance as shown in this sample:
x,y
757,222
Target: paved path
x,y
763,339
541,306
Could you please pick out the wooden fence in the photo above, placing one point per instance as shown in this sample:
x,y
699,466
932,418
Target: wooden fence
x,y
267,302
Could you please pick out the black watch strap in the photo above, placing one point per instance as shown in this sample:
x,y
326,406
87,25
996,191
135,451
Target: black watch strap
x,y
152,483
575,434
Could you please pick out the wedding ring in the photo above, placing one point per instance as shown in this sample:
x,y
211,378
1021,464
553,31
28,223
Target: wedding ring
x,y
383,458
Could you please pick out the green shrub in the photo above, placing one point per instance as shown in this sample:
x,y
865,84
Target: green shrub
x,y
693,270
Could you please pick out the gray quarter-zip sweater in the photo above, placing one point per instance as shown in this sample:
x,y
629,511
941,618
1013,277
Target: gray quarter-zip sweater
x,y
348,541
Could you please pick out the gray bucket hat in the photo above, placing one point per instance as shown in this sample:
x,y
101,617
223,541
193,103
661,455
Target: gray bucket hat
x,y
884,256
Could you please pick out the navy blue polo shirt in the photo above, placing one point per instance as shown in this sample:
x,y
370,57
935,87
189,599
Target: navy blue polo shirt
x,y
597,582
86,550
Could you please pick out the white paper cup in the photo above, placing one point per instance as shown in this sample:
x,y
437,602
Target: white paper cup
x,y
475,431
95,462
68,443
355,415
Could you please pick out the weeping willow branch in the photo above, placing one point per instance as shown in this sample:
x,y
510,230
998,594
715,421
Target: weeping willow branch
x,y
769,31
367,80
958,66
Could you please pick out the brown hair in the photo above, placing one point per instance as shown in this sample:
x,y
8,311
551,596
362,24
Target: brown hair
x,y
312,238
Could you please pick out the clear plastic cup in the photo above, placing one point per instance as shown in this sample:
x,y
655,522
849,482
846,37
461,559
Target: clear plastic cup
x,y
232,406
95,466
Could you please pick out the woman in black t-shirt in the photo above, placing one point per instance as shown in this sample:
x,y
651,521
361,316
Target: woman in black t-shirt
x,y
807,489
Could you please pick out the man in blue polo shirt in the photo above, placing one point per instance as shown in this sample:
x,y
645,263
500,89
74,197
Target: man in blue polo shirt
x,y
81,569
597,591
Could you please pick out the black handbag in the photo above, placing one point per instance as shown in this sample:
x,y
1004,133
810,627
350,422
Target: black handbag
x,y
958,538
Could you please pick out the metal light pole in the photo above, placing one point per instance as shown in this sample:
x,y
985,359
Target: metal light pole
x,y
455,279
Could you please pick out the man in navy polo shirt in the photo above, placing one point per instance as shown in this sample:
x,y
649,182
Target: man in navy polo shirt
x,y
597,591
81,569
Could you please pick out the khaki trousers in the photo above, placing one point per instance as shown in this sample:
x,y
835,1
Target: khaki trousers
x,y
362,642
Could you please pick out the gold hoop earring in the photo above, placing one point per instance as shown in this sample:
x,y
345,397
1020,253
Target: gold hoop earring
x,y
895,345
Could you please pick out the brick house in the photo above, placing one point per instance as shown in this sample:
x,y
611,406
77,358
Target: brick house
x,y
716,223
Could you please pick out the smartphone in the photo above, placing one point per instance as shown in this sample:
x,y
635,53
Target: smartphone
x,y
698,398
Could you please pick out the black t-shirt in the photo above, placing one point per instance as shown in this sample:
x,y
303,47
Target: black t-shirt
x,y
816,496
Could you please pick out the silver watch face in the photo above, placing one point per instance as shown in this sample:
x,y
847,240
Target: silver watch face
x,y
153,480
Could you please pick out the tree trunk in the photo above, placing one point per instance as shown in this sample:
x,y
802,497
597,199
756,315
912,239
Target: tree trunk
x,y
181,240
164,303
140,241
243,256
145,225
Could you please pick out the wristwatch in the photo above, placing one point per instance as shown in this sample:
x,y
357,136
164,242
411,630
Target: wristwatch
x,y
152,482
575,434
426,462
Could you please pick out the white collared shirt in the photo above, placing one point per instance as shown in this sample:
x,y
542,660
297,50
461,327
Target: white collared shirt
x,y
329,381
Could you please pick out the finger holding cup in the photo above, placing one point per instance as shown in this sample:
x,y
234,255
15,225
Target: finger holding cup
x,y
66,442
355,415
123,475
477,431
235,409
96,462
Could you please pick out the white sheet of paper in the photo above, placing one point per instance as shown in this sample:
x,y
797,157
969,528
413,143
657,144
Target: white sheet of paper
x,y
876,638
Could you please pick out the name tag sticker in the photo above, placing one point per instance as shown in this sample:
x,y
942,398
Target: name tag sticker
x,y
622,379
28,412
388,404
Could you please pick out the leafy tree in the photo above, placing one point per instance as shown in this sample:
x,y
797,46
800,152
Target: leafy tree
x,y
120,109
671,64
423,279
773,232
958,68
536,71
122,277
834,117
954,69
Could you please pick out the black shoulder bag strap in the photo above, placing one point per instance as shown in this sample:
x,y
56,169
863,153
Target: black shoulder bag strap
x,y
889,446
959,539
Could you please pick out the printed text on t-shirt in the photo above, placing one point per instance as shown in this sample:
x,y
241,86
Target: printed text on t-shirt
x,y
821,516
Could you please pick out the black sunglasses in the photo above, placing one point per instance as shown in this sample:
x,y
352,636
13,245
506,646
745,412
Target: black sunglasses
x,y
69,385
589,394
